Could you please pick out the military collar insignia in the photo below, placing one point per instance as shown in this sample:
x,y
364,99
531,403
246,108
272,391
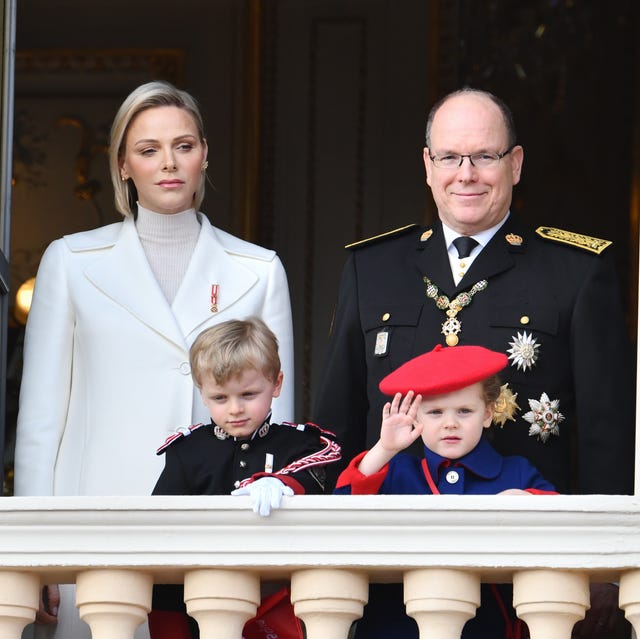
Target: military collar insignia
x,y
593,244
220,432
426,235
544,417
513,239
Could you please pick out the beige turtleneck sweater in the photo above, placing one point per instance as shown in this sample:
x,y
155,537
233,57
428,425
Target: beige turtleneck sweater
x,y
168,242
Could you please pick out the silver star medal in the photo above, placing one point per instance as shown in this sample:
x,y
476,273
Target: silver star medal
x,y
544,417
523,351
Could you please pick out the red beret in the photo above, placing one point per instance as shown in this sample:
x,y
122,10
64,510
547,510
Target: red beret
x,y
444,369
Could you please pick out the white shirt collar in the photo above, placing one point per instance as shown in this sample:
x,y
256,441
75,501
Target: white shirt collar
x,y
459,267
483,237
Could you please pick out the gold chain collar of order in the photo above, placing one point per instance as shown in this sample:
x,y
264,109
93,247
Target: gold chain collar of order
x,y
452,325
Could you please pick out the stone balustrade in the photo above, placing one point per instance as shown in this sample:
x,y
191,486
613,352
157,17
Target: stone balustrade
x,y
330,548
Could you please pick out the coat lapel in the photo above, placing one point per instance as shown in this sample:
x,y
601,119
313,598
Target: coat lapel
x,y
124,275
495,258
210,264
432,260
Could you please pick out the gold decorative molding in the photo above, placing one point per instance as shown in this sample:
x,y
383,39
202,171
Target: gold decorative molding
x,y
41,71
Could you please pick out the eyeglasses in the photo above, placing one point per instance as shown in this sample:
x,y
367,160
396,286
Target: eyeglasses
x,y
483,160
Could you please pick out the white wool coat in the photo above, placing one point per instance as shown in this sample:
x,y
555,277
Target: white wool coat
x,y
106,369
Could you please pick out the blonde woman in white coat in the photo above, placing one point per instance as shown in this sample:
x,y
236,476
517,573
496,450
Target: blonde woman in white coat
x,y
106,367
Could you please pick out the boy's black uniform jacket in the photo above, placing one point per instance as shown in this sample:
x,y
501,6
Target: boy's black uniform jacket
x,y
205,463
566,298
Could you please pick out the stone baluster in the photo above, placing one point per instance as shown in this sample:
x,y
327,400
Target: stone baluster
x,y
550,601
441,600
113,602
629,598
328,600
19,598
221,601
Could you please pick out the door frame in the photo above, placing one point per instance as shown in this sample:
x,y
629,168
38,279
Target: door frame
x,y
7,30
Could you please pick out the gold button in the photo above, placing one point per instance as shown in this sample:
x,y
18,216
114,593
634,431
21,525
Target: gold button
x,y
386,317
524,319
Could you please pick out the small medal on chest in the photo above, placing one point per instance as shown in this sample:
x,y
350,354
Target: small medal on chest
x,y
215,290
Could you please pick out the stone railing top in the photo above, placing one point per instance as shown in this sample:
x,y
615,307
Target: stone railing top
x,y
376,533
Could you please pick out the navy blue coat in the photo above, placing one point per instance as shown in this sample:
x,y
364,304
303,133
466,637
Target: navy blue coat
x,y
480,472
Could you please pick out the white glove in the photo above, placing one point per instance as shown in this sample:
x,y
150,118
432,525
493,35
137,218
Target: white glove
x,y
266,493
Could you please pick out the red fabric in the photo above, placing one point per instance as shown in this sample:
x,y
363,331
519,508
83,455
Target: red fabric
x,y
443,370
275,619
361,484
165,624
287,480
537,491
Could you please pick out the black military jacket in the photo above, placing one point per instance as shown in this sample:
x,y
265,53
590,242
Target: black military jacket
x,y
203,463
564,298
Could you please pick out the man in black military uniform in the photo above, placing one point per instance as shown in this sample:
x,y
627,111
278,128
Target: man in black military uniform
x,y
547,298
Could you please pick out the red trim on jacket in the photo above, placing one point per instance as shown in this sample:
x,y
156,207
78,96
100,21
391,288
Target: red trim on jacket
x,y
287,480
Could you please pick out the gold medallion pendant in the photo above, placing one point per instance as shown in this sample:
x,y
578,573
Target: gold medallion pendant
x,y
452,326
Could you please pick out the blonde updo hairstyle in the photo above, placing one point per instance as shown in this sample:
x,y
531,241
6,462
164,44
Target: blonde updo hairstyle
x,y
146,96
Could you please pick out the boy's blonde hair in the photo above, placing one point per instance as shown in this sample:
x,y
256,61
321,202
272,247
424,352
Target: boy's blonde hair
x,y
228,349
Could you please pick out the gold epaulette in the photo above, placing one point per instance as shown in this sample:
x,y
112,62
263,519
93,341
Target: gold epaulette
x,y
382,236
593,244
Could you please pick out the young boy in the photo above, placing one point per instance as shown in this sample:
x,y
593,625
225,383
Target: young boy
x,y
450,396
236,366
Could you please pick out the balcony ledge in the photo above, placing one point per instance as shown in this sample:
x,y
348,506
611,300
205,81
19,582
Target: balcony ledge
x,y
380,534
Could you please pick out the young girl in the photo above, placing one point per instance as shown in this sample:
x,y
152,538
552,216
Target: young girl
x,y
450,397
